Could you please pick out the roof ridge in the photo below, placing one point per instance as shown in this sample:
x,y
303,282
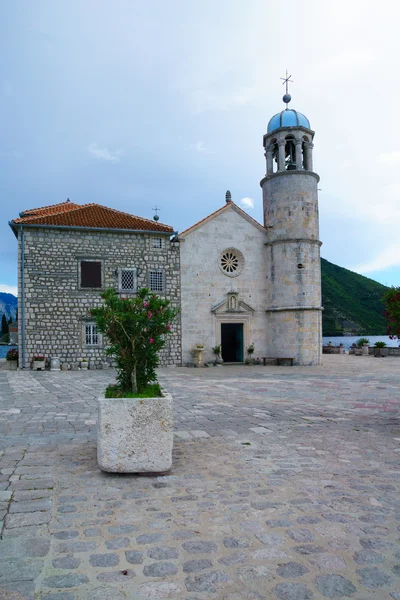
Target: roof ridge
x,y
213,214
122,212
247,215
207,217
60,204
40,216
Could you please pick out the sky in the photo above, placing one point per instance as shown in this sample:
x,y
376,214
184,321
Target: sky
x,y
134,104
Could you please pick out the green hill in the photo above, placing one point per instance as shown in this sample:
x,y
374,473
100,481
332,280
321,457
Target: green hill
x,y
352,303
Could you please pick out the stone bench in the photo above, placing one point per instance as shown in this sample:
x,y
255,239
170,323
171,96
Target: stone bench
x,y
279,361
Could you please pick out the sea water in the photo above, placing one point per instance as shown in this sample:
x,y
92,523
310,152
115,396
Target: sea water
x,y
348,340
4,350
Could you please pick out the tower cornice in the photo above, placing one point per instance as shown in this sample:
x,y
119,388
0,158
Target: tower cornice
x,y
291,308
293,241
275,132
288,174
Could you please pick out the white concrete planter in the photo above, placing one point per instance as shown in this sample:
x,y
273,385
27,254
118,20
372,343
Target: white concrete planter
x,y
11,365
135,435
38,365
84,365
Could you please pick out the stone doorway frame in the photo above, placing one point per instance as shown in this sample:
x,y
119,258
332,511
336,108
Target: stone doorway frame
x,y
238,318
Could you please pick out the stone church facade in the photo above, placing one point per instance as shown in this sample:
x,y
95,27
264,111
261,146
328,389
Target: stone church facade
x,y
223,291
249,284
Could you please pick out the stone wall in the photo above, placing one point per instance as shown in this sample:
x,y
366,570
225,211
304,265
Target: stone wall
x,y
205,286
56,309
293,267
295,334
387,351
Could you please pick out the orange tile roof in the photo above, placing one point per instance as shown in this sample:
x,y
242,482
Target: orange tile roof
x,y
49,210
88,215
213,214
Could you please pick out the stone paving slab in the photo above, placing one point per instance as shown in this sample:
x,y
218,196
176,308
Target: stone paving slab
x,y
285,485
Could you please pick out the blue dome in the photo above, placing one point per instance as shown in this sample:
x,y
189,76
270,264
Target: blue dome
x,y
288,118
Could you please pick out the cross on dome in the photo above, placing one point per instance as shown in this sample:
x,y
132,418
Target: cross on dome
x,y
286,80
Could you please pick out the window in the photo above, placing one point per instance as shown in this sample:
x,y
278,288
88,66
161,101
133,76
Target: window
x,y
91,274
92,338
127,281
156,280
231,262
157,242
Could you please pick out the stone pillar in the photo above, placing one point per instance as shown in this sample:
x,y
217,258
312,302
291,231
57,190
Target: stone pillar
x,y
281,155
270,163
299,155
309,157
54,363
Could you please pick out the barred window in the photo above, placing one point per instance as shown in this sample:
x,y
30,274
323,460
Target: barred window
x,y
157,242
156,280
91,335
127,280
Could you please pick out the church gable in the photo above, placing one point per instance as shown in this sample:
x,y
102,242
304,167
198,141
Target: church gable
x,y
216,216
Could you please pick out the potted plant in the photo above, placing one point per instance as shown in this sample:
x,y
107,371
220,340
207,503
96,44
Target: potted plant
x,y
250,352
135,429
378,349
217,351
38,362
84,364
12,359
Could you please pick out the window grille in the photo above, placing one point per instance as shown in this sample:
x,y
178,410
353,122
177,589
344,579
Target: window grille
x,y
91,335
127,280
156,281
157,242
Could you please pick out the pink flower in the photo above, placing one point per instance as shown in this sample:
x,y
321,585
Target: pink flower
x,y
145,304
151,341
149,314
169,327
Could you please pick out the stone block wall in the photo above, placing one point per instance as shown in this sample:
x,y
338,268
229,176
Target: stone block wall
x,y
295,334
56,309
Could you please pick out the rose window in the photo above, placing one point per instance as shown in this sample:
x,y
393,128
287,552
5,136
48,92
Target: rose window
x,y
231,262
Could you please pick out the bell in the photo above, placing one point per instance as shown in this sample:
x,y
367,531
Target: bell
x,y
291,166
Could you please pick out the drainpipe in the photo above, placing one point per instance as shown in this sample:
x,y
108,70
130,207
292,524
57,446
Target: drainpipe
x,y
22,298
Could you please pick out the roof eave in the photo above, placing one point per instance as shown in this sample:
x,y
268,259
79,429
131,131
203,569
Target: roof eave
x,y
14,225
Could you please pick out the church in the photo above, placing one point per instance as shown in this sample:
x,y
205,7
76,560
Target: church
x,y
245,284
238,284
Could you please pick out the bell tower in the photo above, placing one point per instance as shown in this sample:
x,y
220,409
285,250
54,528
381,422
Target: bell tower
x,y
290,204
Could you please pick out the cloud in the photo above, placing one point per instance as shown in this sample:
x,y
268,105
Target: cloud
x,y
104,153
201,148
389,257
247,202
9,289
391,159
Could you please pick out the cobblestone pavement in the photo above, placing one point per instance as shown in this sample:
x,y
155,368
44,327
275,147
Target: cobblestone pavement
x,y
285,486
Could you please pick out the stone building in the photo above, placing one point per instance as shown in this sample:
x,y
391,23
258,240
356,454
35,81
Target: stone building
x,y
238,283
248,284
68,254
